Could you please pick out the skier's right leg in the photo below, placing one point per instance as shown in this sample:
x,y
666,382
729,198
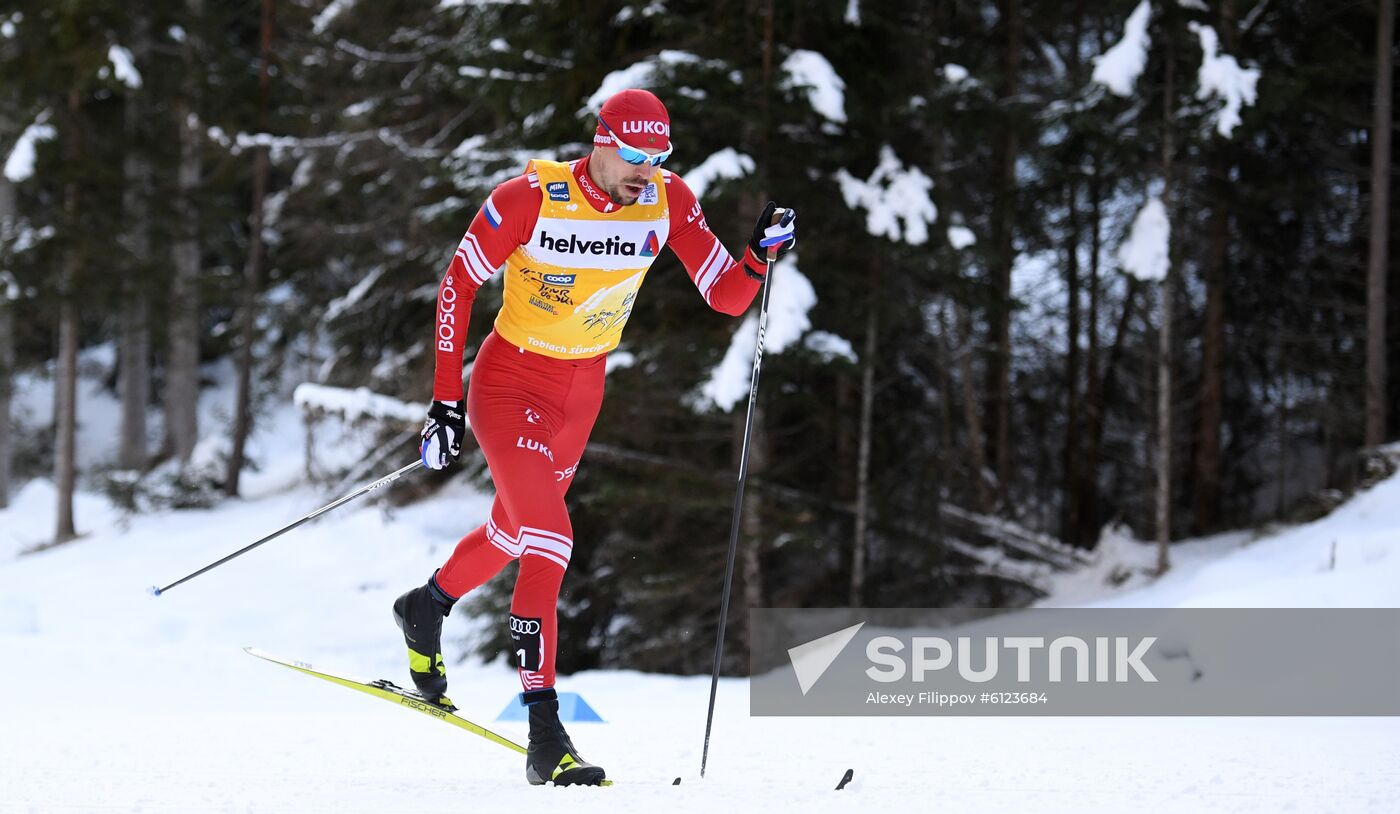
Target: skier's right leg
x,y
420,612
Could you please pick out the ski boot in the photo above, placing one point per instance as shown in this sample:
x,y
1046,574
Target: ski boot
x,y
419,614
551,755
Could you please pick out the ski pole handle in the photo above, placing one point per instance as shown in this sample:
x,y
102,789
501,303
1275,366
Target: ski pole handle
x,y
783,217
363,490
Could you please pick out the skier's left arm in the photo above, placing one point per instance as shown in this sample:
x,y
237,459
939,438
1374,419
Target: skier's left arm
x,y
728,285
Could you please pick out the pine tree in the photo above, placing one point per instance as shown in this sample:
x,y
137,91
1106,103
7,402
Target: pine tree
x,y
1378,267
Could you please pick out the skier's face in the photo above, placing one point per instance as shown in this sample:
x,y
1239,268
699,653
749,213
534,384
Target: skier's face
x,y
623,182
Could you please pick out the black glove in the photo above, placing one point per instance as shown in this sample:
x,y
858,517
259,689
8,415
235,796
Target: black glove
x,y
767,234
442,434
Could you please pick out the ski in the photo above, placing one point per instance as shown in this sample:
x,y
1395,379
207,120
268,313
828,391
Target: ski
x,y
383,688
387,690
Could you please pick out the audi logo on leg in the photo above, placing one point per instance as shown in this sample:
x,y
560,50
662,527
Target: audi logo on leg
x,y
524,626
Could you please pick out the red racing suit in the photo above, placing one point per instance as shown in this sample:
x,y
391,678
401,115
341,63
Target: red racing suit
x,y
574,261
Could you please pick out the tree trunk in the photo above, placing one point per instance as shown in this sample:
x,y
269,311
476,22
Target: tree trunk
x,y
1069,525
1116,352
1206,487
945,404
1207,482
1088,486
7,373
972,416
1003,252
1070,489
181,396
867,412
1281,475
65,397
1164,428
65,400
8,213
134,344
751,528
1164,338
252,273
943,341
1378,265
133,378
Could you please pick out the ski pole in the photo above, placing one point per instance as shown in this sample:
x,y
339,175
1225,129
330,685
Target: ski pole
x,y
363,490
786,217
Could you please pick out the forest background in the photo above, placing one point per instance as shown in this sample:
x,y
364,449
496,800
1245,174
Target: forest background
x,y
1061,267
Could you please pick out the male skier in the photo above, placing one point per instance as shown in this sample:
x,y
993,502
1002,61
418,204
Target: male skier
x,y
576,240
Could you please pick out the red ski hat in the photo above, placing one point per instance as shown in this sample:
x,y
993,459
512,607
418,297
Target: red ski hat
x,y
638,118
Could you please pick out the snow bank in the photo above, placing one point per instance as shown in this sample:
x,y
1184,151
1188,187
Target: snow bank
x,y
98,408
356,404
29,521
1346,559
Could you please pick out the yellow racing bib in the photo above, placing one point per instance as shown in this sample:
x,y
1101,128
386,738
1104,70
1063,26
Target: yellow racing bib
x,y
571,288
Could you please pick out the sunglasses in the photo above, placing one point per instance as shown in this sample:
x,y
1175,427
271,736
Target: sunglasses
x,y
634,156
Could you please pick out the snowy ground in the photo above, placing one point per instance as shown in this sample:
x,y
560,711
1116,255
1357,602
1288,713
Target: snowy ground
x,y
111,700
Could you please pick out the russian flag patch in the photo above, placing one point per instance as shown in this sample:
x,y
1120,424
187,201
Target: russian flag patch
x,y
493,215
